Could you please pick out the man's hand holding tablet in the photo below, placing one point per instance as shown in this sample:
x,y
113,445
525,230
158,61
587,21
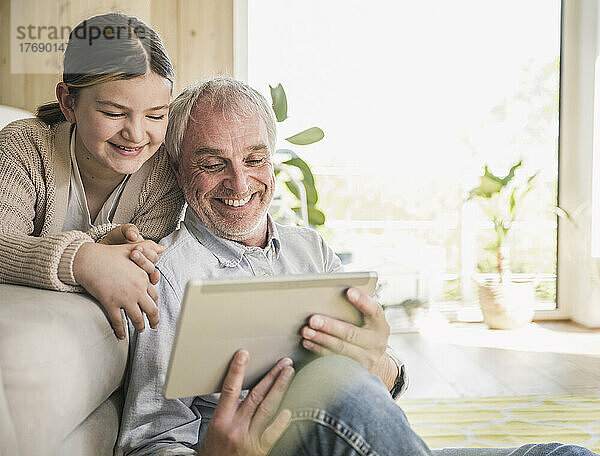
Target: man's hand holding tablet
x,y
366,344
243,427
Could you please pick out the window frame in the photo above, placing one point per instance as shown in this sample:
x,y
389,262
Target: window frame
x,y
576,291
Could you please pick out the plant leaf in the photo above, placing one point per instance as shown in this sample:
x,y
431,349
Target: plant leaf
x,y
488,185
560,212
513,201
292,188
308,136
501,231
506,179
315,216
311,192
307,174
279,102
532,177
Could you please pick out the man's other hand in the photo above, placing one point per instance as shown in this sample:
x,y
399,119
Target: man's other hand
x,y
248,427
325,335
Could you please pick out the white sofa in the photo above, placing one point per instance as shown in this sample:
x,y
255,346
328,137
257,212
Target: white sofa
x,y
61,368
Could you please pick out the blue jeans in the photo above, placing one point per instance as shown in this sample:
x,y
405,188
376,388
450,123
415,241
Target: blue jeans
x,y
340,409
540,449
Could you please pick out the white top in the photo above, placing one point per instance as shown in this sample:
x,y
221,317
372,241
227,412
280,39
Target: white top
x,y
78,215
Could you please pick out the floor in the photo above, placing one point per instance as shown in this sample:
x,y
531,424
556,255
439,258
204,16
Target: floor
x,y
469,360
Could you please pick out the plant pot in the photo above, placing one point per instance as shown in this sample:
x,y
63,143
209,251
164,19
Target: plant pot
x,y
507,305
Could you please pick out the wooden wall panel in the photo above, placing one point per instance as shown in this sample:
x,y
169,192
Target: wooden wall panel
x,y
202,26
164,17
198,35
20,90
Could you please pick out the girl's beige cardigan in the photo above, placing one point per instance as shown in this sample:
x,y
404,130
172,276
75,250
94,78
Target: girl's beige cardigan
x,y
35,174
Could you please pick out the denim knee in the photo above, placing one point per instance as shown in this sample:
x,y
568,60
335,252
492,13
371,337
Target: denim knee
x,y
558,449
531,449
551,449
339,408
332,379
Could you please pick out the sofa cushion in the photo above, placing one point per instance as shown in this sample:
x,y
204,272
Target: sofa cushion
x,y
59,360
98,433
8,438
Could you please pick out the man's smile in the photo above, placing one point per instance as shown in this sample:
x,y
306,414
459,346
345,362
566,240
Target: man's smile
x,y
236,202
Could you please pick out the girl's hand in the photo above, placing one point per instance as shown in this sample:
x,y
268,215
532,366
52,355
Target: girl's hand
x,y
145,254
122,234
108,274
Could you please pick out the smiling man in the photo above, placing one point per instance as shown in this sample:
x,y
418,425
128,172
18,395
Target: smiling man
x,y
220,140
227,174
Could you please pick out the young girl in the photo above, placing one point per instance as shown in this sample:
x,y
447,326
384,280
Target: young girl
x,y
89,162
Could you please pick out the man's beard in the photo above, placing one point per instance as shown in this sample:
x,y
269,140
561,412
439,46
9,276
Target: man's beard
x,y
235,232
221,227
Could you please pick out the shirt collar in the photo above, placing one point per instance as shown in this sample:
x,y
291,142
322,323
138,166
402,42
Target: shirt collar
x,y
228,252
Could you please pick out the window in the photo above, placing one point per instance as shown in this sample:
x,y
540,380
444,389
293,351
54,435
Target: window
x,y
415,98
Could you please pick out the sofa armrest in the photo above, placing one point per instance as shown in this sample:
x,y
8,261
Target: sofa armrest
x,y
59,360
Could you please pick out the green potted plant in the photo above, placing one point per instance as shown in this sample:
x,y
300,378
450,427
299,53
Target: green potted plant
x,y
505,301
293,172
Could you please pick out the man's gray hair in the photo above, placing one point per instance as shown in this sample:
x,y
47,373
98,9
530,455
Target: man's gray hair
x,y
228,96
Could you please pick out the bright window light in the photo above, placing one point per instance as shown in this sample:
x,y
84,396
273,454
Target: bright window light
x,y
415,98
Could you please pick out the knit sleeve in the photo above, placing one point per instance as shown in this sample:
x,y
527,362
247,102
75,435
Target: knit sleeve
x,y
39,261
161,201
27,256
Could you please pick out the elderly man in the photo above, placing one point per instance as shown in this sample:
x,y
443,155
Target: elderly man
x,y
220,139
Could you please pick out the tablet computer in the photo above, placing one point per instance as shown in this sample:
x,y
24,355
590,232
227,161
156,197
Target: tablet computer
x,y
263,315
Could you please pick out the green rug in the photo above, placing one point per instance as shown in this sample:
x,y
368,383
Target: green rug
x,y
506,421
